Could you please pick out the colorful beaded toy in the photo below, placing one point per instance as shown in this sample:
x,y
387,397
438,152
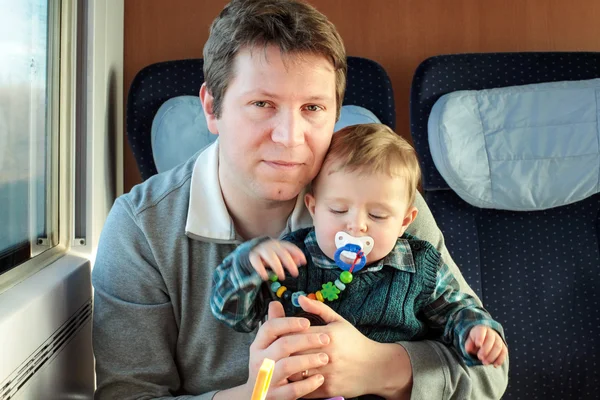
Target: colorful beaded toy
x,y
330,290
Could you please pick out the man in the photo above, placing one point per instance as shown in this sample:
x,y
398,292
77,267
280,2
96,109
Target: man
x,y
275,76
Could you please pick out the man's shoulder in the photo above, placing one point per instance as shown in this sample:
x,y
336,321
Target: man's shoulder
x,y
415,241
170,189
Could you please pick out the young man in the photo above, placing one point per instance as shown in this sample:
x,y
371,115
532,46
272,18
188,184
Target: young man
x,y
275,76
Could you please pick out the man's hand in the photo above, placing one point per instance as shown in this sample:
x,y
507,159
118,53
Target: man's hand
x,y
487,345
278,339
277,255
357,365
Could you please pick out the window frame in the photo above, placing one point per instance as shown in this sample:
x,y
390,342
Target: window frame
x,y
60,119
92,32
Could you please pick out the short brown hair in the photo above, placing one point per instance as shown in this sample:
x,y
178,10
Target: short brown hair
x,y
373,148
293,26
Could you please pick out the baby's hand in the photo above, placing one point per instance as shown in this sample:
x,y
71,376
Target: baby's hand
x,y
487,344
276,254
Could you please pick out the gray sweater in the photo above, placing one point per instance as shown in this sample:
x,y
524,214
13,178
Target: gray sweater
x,y
154,335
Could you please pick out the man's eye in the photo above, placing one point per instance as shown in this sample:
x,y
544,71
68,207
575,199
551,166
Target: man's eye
x,y
261,104
314,107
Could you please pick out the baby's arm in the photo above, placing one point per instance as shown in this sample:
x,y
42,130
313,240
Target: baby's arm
x,y
487,344
457,315
237,299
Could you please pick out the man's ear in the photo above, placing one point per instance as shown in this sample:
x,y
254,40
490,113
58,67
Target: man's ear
x,y
310,202
207,105
410,216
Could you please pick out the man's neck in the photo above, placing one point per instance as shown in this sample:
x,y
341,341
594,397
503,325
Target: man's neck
x,y
256,217
264,218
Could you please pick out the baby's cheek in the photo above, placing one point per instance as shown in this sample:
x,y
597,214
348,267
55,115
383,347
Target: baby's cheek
x,y
386,245
326,242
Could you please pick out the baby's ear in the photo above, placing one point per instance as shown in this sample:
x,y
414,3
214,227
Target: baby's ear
x,y
310,203
409,217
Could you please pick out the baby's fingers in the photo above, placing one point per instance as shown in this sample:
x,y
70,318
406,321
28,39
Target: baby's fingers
x,y
271,258
494,356
470,347
291,257
501,357
297,254
478,335
274,256
487,346
257,264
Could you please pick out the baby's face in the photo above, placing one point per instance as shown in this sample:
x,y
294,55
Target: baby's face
x,y
360,204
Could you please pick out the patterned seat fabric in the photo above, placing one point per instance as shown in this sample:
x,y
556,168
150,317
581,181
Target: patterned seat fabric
x,y
368,86
538,273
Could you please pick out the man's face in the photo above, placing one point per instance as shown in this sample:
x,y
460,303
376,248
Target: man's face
x,y
276,123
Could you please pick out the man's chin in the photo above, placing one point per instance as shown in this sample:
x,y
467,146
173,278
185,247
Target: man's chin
x,y
282,192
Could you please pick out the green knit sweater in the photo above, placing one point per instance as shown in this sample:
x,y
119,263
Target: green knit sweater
x,y
383,305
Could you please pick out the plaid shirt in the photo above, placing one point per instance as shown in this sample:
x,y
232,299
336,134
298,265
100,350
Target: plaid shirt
x,y
239,298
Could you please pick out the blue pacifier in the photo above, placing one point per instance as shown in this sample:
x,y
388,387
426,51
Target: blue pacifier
x,y
350,247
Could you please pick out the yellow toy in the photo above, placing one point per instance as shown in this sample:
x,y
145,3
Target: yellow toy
x,y
263,380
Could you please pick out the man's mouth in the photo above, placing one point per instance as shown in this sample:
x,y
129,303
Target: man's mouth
x,y
283,164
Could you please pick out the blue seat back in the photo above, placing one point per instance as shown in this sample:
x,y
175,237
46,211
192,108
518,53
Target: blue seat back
x,y
538,273
368,86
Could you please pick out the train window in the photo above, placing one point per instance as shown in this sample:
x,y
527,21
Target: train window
x,y
29,32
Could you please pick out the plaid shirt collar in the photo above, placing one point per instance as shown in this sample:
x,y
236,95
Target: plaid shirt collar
x,y
400,257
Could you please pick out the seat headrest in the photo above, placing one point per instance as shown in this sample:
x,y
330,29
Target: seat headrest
x,y
520,148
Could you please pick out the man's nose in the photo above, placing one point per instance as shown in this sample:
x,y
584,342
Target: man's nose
x,y
290,129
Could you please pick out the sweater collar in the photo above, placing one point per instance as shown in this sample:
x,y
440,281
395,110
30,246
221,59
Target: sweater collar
x,y
208,218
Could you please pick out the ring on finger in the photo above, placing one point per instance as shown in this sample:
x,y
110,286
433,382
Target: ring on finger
x,y
305,374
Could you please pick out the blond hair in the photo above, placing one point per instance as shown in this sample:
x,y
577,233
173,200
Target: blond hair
x,y
373,148
295,27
